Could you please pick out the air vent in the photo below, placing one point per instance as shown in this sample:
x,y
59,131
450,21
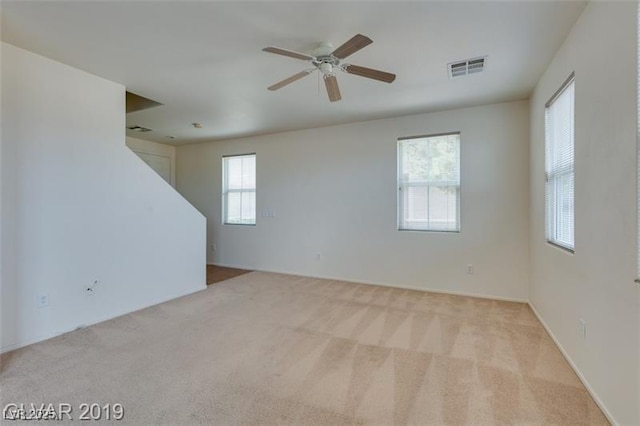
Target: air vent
x,y
139,129
466,67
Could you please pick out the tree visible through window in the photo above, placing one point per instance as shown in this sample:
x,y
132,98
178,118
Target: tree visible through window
x,y
429,183
239,189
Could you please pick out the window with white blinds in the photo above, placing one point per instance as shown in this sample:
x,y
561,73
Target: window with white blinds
x,y
239,190
559,166
638,147
429,183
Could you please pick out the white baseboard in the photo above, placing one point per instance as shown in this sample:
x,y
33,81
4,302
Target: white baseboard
x,y
381,284
23,343
584,381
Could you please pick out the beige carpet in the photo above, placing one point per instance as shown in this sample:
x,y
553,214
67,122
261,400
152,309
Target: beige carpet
x,y
277,349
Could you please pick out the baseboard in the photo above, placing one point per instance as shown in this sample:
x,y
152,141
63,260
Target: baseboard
x,y
380,284
22,344
584,381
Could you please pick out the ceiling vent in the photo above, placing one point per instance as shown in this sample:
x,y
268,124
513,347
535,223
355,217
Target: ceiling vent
x,y
466,67
139,129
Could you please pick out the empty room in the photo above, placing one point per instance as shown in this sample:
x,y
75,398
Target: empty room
x,y
319,213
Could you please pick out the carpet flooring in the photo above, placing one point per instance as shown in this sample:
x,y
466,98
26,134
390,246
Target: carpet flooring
x,y
267,348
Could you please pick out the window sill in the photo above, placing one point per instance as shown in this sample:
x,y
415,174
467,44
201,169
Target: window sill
x,y
561,247
430,231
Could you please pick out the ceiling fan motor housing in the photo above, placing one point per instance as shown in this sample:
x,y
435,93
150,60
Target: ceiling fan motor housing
x,y
326,64
324,49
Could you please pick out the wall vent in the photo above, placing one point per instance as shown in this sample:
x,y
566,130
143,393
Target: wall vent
x,y
466,67
139,129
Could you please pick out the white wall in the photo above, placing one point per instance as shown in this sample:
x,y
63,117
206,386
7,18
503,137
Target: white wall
x,y
596,283
79,206
334,192
155,148
1,185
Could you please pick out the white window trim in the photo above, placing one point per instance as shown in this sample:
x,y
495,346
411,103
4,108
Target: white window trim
x,y
402,185
637,280
561,171
226,191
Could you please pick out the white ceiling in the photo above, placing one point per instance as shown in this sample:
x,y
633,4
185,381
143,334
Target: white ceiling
x,y
203,60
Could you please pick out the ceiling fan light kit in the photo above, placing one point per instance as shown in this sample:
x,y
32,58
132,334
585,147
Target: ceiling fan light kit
x,y
327,60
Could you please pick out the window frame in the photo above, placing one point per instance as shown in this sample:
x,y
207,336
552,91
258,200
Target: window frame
x,y
637,280
427,184
225,189
557,174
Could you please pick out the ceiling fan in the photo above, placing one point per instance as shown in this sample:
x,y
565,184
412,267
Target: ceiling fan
x,y
327,60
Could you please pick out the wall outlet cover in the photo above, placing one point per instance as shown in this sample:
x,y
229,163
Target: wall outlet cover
x,y
582,328
43,300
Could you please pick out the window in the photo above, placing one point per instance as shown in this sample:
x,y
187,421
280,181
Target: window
x,y
559,166
239,190
638,147
429,183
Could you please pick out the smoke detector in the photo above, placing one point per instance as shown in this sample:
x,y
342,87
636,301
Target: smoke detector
x,y
466,67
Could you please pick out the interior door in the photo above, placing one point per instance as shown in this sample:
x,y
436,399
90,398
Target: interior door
x,y
160,163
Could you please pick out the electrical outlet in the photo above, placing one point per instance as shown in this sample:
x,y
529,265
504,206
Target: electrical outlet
x,y
43,300
470,269
91,288
582,328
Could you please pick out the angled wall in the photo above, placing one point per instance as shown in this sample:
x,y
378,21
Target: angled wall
x,y
78,207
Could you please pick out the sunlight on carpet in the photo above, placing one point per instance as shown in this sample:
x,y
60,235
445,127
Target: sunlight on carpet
x,y
267,348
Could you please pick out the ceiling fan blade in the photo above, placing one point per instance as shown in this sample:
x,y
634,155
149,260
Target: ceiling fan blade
x,y
290,80
369,73
289,53
331,82
356,43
